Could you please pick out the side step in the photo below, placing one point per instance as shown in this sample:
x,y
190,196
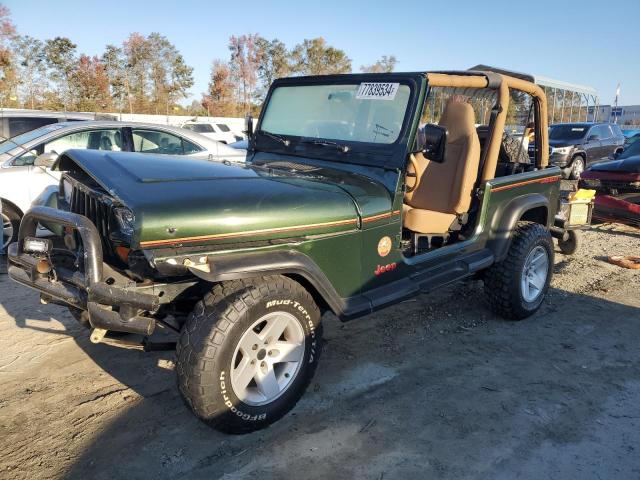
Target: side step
x,y
429,279
450,272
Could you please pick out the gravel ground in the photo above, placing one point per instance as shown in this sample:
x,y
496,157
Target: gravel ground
x,y
434,387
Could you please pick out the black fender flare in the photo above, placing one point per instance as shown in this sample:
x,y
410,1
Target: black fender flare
x,y
279,262
505,220
579,153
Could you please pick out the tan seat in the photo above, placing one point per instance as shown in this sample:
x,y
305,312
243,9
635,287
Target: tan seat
x,y
444,190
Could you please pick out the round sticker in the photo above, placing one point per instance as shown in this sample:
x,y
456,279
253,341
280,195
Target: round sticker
x,y
384,246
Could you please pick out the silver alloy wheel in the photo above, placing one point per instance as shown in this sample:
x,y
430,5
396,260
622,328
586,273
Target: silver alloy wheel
x,y
534,274
268,358
578,167
7,228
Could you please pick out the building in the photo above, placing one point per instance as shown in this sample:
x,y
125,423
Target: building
x,y
566,102
623,114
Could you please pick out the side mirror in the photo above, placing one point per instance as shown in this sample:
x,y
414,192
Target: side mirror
x,y
46,160
593,138
431,142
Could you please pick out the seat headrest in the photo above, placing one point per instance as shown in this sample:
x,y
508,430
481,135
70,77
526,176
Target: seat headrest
x,y
458,118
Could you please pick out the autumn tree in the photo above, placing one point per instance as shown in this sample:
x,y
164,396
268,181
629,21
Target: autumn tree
x,y
155,75
91,84
60,57
116,70
8,76
136,55
274,62
315,57
385,64
170,77
219,100
244,64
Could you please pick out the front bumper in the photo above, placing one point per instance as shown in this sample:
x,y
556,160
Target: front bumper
x,y
112,304
560,159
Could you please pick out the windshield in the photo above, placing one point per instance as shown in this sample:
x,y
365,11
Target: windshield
x,y
630,151
568,132
10,144
365,112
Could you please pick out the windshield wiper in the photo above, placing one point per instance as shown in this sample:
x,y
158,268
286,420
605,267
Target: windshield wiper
x,y
273,136
327,143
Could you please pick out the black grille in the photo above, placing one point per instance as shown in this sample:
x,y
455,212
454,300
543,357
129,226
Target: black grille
x,y
96,207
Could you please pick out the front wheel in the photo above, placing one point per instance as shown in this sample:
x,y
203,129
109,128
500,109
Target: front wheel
x,y
577,168
517,285
248,352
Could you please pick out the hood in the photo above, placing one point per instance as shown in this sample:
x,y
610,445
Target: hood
x,y
179,200
626,165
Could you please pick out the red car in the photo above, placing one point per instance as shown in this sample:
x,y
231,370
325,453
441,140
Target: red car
x,y
617,184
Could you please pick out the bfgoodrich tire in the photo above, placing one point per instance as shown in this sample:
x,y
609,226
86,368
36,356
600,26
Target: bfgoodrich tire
x,y
516,286
248,352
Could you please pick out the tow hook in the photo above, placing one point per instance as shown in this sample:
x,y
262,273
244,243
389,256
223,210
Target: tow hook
x,y
97,335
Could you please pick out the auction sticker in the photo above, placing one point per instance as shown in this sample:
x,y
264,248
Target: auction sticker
x,y
384,246
377,91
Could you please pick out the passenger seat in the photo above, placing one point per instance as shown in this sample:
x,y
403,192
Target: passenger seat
x,y
443,191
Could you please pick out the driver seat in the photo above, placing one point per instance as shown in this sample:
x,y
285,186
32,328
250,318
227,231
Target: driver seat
x,y
443,191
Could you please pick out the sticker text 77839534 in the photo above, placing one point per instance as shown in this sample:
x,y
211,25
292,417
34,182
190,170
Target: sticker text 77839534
x,y
377,91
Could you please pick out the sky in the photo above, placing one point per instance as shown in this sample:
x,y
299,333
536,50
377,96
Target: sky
x,y
585,42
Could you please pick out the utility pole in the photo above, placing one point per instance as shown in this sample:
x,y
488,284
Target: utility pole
x,y
615,105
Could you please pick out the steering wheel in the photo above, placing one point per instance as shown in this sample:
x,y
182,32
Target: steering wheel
x,y
414,174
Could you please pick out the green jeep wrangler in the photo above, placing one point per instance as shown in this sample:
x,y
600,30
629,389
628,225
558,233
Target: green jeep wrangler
x,y
358,192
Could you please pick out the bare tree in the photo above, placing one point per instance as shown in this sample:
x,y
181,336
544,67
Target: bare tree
x,y
32,68
384,65
8,77
244,65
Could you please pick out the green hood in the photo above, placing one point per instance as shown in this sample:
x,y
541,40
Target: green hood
x,y
181,200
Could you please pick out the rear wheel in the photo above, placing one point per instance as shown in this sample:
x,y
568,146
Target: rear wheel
x,y
10,225
248,352
517,285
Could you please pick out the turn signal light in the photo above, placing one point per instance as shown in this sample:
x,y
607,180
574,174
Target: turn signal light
x,y
123,253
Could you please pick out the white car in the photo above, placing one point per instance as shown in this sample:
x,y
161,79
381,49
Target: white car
x,y
217,131
25,160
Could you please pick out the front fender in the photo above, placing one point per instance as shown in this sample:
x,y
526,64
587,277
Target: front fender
x,y
505,220
237,266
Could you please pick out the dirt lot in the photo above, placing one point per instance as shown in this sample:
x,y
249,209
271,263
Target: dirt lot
x,y
435,387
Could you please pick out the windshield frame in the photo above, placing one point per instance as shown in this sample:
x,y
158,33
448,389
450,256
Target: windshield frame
x,y
363,153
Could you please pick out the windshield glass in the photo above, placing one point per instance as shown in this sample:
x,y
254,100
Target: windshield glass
x,y
365,112
568,132
27,137
630,151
